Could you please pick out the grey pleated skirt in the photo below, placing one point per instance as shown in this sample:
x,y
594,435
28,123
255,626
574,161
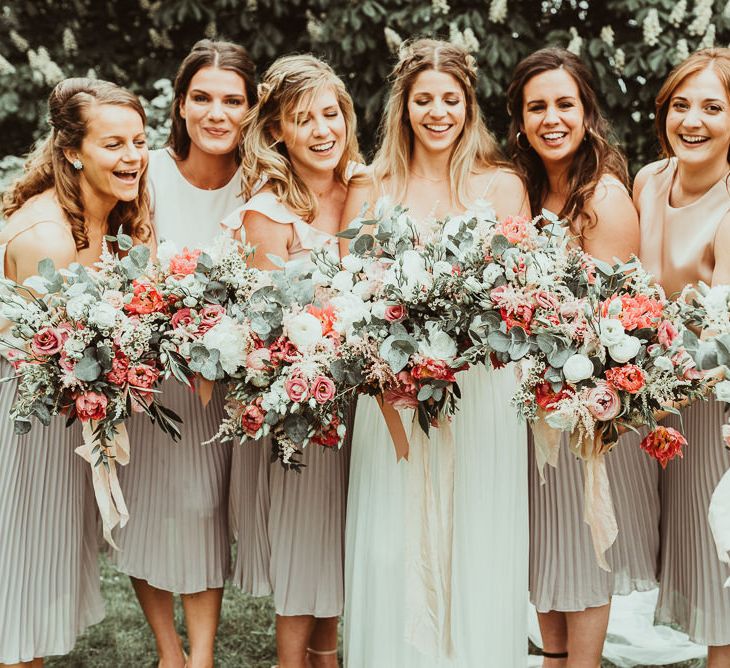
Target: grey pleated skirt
x,y
49,575
177,536
691,592
290,527
564,574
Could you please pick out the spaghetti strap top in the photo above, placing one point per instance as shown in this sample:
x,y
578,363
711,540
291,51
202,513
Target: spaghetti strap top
x,y
677,243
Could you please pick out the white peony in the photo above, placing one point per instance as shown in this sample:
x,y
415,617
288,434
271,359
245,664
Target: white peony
x,y
414,274
103,315
442,268
364,289
611,331
342,281
166,250
349,309
352,263
77,307
438,345
229,338
304,330
627,348
577,368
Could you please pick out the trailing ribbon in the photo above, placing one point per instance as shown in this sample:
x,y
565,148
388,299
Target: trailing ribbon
x,y
395,428
108,493
205,390
429,542
719,519
547,443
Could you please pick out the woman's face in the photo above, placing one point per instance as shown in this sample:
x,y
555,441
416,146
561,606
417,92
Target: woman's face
x,y
698,119
113,152
315,132
213,109
553,117
436,111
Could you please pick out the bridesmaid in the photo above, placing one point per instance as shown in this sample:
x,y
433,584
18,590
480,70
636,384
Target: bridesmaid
x,y
560,143
684,209
301,139
84,181
177,539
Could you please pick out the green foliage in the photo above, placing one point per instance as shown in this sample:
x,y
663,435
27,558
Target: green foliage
x,y
630,44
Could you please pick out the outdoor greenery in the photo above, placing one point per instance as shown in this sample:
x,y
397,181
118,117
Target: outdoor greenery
x,y
631,45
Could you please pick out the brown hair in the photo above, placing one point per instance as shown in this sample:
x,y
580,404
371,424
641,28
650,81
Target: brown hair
x,y
286,84
717,59
476,148
207,53
47,167
598,157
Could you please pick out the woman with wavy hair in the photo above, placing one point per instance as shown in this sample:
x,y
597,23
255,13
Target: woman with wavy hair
x,y
300,142
464,607
684,211
561,145
177,538
85,180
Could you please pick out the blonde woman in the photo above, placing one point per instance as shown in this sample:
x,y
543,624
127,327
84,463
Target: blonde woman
x,y
437,159
300,139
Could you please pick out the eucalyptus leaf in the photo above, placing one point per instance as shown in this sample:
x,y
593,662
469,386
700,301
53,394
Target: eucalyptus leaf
x,y
124,242
296,428
88,368
140,255
363,244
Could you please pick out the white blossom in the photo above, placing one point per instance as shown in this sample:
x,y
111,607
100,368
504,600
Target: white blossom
x,y
6,67
438,345
498,11
471,43
625,349
708,41
576,42
440,6
681,51
315,29
211,30
304,330
678,13
229,338
703,16
43,67
607,35
578,367
619,59
651,28
70,45
392,39
19,41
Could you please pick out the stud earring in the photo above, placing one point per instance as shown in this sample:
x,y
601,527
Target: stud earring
x,y
77,165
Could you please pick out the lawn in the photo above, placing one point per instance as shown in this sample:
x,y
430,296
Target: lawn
x,y
245,636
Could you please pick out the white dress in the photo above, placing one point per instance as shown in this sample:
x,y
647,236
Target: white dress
x,y
471,613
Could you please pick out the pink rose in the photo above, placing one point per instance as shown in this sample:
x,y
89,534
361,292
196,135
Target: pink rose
x,y
181,318
143,376
252,418
323,389
91,406
603,402
47,341
258,359
666,333
297,389
210,316
395,312
547,300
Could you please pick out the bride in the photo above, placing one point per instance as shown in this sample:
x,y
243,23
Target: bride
x,y
463,493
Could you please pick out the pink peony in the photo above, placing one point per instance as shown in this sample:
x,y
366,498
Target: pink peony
x,y
603,402
258,359
48,341
210,316
664,444
395,312
185,262
252,418
91,406
666,333
323,389
515,228
628,377
297,389
120,367
143,376
182,318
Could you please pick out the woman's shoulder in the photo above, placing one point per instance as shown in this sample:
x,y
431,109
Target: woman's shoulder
x,y
40,217
485,180
265,203
649,172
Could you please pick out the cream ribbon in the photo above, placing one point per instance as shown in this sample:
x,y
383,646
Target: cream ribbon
x,y
429,519
109,498
719,518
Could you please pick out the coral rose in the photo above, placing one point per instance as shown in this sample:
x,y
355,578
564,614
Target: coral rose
x,y
91,406
143,376
185,262
252,418
145,299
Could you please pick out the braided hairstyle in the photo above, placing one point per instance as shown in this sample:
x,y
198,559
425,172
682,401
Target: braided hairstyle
x,y
47,167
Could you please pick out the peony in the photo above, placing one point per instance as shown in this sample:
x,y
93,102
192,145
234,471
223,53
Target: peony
x,y
323,389
304,330
47,341
145,299
611,331
342,281
515,228
352,263
664,444
91,406
182,318
185,262
666,333
629,378
143,376
120,366
252,418
430,368
438,344
102,315
603,402
394,312
210,316
578,367
229,338
258,359
627,348
297,389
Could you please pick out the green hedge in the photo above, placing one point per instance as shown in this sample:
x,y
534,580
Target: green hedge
x,y
631,45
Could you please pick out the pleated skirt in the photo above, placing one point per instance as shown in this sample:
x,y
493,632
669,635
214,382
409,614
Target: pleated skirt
x,y
489,545
691,593
49,574
177,537
290,527
564,574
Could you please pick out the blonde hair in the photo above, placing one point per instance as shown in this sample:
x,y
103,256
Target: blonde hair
x,y
285,85
476,148
718,60
47,167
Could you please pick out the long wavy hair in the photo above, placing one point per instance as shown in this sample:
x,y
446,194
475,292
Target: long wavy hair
x,y
207,53
597,157
47,167
476,149
290,82
716,59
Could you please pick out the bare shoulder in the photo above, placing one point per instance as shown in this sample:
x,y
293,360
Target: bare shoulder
x,y
644,174
504,189
721,251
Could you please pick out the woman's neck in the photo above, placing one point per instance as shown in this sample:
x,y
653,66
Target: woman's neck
x,y
320,183
207,171
693,181
430,166
96,208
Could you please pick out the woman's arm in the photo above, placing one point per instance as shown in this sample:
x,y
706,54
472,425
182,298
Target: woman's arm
x,y
508,196
267,238
28,248
721,272
359,192
616,232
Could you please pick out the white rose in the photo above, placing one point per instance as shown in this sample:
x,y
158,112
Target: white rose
x,y
318,278
379,310
442,268
612,331
114,297
364,289
663,363
413,263
342,281
166,250
76,307
614,308
103,315
304,330
722,391
627,348
352,263
438,344
229,338
577,368
349,309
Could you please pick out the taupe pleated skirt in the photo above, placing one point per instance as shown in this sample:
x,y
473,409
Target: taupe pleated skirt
x,y
177,536
290,527
691,593
49,575
564,574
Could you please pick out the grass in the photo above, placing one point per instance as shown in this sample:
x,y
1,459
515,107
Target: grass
x,y
245,636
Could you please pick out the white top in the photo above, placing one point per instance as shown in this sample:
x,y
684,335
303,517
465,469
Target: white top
x,y
182,213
